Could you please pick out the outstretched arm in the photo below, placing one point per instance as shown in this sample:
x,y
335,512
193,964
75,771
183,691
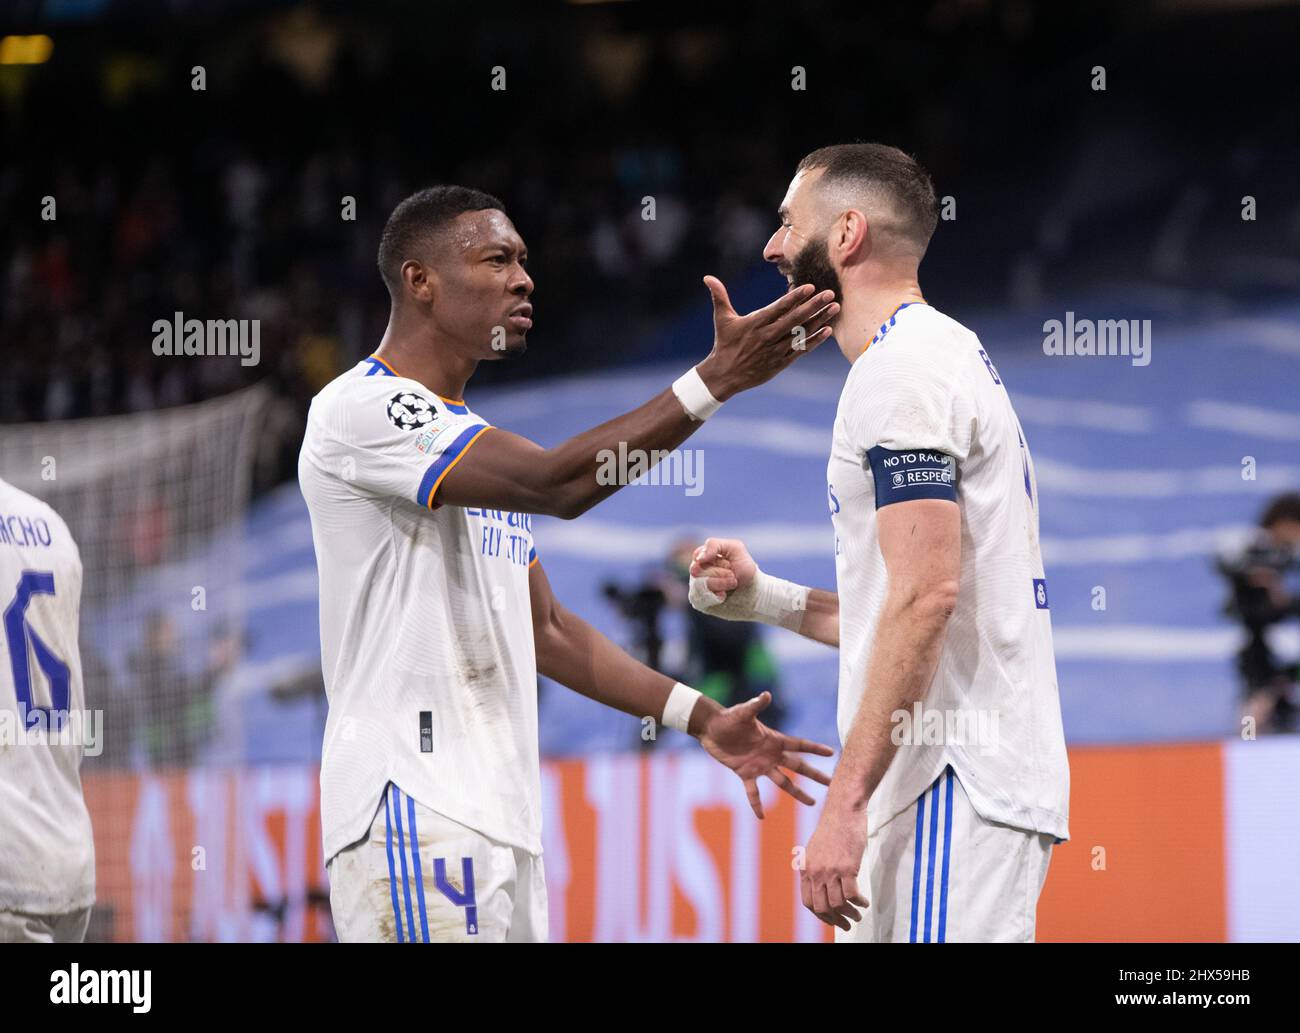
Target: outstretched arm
x,y
510,472
575,654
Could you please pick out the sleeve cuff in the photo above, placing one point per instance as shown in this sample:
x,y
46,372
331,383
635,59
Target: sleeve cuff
x,y
443,465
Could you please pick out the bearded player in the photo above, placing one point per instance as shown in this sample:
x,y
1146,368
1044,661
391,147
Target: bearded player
x,y
436,614
939,828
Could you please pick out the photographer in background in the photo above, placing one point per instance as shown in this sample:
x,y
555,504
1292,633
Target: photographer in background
x,y
1265,584
726,660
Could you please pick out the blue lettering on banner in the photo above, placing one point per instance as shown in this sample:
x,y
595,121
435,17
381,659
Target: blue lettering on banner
x,y
1040,593
901,476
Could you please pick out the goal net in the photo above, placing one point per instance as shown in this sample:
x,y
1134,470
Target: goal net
x,y
155,501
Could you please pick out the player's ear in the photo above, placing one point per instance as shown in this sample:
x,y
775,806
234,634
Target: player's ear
x,y
418,280
853,235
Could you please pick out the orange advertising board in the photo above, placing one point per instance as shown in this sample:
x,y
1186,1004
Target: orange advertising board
x,y
647,847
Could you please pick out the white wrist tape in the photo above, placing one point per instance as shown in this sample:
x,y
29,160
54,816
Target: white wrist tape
x,y
695,396
771,600
677,711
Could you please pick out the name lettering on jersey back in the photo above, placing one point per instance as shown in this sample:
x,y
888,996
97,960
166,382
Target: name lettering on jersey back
x,y
505,534
20,530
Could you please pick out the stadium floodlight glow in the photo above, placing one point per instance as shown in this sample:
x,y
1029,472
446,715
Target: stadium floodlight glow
x,y
25,50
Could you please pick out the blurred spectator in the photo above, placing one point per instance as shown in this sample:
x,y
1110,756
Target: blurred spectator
x,y
175,711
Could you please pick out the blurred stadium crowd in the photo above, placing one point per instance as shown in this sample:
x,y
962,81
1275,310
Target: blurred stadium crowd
x,y
227,202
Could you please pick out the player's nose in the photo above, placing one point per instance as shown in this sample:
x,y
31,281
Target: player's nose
x,y
772,250
522,284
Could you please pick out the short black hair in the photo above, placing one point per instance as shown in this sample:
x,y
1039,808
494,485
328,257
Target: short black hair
x,y
877,165
1284,507
419,219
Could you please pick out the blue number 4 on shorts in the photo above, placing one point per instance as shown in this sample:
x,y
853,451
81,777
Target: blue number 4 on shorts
x,y
460,898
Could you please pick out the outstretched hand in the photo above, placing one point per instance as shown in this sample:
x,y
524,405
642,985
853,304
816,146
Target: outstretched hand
x,y
751,349
736,738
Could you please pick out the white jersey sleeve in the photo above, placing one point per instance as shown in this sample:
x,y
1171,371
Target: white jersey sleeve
x,y
394,438
910,402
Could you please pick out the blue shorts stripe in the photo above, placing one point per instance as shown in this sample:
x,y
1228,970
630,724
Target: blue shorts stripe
x,y
916,863
947,854
392,872
415,865
401,853
929,869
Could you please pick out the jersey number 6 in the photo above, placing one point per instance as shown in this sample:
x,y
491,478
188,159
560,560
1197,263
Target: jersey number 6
x,y
23,642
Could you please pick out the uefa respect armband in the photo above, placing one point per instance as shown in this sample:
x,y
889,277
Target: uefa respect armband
x,y
908,474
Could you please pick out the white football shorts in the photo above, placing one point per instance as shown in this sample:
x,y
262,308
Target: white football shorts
x,y
20,927
938,872
419,877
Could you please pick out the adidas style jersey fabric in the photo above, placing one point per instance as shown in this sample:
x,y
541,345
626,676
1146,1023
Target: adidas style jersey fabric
x,y
425,617
47,853
924,414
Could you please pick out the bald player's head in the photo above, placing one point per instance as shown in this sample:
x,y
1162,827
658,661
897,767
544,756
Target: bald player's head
x,y
894,202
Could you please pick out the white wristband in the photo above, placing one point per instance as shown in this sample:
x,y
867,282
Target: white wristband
x,y
695,396
677,711
771,600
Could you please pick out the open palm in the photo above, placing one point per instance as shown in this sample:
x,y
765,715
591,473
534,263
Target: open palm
x,y
737,739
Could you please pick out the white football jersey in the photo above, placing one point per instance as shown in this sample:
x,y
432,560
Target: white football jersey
x,y
425,617
47,853
924,414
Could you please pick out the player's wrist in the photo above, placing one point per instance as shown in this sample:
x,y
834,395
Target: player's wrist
x,y
683,710
847,798
705,710
766,599
779,602
713,373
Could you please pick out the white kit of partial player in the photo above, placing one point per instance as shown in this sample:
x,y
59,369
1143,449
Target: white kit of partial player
x,y
430,777
47,854
962,824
